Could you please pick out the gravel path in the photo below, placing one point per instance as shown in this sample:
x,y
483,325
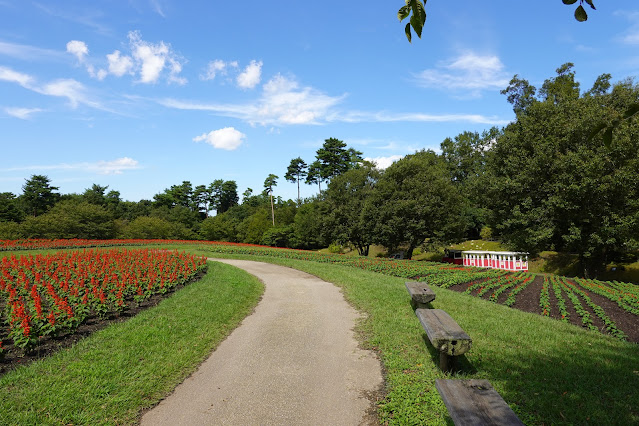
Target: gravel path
x,y
294,361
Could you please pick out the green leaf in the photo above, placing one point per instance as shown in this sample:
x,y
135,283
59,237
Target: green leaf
x,y
632,110
580,14
417,25
570,1
591,4
607,137
403,12
597,129
407,31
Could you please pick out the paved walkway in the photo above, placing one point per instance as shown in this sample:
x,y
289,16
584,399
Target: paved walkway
x,y
294,361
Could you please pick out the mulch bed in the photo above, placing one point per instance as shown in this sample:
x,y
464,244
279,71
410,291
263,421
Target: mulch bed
x,y
15,357
528,301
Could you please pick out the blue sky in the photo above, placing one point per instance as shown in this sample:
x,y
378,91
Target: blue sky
x,y
140,95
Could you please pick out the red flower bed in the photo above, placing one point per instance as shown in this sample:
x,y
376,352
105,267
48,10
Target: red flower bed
x,y
45,295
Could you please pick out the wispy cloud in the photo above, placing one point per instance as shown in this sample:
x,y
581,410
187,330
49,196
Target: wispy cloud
x,y
112,167
29,53
227,138
157,7
217,67
73,90
282,102
631,35
89,17
387,117
21,113
469,73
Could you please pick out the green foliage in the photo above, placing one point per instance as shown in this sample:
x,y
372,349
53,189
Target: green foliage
x,y
9,208
145,227
71,219
550,184
38,195
345,198
296,170
414,200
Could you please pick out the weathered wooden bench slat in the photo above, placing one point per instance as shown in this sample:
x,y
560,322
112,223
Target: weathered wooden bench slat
x,y
420,293
475,402
443,332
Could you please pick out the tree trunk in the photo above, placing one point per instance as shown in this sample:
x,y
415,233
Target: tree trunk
x,y
272,210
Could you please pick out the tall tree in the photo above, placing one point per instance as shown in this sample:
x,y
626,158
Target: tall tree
x,y
95,194
228,196
550,183
346,197
334,158
38,195
415,200
269,184
314,175
296,170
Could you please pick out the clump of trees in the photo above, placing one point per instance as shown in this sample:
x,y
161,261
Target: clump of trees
x,y
563,176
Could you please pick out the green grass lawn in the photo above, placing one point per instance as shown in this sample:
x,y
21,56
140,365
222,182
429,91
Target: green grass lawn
x,y
549,372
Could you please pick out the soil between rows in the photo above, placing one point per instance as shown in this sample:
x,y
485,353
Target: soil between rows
x,y
528,301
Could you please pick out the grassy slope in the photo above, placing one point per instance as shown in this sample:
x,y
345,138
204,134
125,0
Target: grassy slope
x,y
109,377
549,372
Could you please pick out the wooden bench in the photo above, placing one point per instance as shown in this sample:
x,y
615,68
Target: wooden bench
x,y
445,335
420,294
475,402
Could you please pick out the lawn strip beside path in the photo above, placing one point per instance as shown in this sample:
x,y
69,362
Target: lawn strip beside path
x,y
295,360
549,372
109,377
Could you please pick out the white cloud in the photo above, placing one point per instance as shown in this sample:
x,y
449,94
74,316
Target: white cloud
x,y
113,167
71,89
21,113
251,76
468,72
26,52
386,117
227,138
282,102
151,59
78,48
631,35
384,162
7,74
119,64
217,67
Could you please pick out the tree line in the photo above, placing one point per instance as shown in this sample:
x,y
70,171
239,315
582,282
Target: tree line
x,y
564,176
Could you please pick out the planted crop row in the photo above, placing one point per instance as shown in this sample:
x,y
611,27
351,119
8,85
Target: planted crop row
x,y
46,295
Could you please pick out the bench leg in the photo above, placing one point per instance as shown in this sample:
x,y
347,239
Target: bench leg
x,y
447,363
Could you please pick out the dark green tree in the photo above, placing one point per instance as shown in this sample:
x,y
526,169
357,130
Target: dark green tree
x,y
9,208
551,184
346,197
314,175
334,158
296,170
227,196
95,195
414,201
38,195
